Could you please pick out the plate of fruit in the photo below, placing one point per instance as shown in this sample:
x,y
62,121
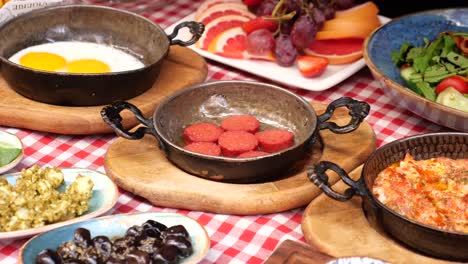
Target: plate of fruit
x,y
308,44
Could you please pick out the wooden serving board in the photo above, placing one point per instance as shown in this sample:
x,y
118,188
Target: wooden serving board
x,y
183,67
341,229
141,168
292,252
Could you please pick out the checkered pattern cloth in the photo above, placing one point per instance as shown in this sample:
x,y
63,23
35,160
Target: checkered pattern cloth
x,y
234,239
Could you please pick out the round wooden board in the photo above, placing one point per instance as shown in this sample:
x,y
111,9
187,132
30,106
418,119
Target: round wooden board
x,y
141,168
341,229
182,67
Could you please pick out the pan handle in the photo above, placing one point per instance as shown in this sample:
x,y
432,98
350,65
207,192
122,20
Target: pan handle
x,y
316,174
196,29
111,115
358,110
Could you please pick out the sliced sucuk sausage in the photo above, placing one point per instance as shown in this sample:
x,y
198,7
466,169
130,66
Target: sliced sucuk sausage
x,y
246,123
274,140
207,148
234,143
202,132
253,153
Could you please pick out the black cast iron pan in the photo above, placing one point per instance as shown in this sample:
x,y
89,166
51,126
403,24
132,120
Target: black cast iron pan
x,y
124,30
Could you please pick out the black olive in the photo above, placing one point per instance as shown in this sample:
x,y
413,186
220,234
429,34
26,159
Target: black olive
x,y
152,232
82,237
123,245
137,257
165,254
134,231
177,230
102,246
48,256
69,250
115,260
73,261
181,243
150,245
91,260
154,224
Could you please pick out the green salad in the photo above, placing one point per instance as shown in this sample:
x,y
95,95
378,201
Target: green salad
x,y
437,70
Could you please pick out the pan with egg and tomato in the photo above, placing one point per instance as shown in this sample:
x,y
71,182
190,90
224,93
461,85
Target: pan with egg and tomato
x,y
415,189
80,55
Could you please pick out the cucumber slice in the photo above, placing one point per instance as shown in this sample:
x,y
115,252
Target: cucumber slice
x,y
453,98
407,74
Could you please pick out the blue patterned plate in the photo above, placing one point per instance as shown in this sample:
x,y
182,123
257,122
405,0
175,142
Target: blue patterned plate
x,y
414,28
116,226
104,197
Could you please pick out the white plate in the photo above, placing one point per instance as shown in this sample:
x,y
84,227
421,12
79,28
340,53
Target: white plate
x,y
289,76
14,141
104,197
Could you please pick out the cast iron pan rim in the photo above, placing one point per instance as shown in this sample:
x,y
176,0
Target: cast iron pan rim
x,y
47,9
228,159
383,206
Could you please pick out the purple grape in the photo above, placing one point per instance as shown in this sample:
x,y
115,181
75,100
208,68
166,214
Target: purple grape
x,y
293,5
285,51
286,26
266,7
303,31
328,12
260,42
318,16
344,4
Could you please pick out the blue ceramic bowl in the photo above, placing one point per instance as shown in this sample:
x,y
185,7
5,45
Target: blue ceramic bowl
x,y
414,28
116,226
105,194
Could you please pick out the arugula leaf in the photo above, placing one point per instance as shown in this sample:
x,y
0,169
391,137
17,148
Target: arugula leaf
x,y
426,90
435,73
457,59
399,57
422,62
449,46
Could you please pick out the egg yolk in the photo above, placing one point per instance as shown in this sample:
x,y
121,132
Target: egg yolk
x,y
44,61
87,66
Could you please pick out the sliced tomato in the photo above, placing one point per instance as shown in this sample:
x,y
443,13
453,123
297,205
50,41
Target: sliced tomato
x,y
456,82
311,66
337,51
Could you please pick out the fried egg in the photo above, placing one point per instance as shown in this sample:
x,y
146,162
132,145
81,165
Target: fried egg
x,y
76,57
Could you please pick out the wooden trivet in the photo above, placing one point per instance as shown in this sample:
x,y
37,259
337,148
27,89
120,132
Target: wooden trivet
x,y
341,229
183,67
141,168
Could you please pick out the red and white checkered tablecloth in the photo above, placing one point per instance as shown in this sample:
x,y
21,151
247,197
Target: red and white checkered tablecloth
x,y
234,239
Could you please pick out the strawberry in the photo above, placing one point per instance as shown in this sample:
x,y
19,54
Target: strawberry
x,y
251,2
311,66
260,23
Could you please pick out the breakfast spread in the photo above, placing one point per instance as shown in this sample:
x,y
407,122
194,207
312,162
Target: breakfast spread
x,y
432,191
438,70
34,200
76,57
308,35
237,136
150,242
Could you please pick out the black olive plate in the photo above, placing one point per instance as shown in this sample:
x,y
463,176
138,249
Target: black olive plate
x,y
114,226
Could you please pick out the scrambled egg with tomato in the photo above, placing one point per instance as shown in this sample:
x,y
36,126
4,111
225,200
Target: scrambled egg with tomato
x,y
433,192
34,200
